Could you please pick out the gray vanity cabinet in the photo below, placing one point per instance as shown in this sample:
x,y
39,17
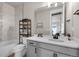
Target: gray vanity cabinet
x,y
31,52
40,49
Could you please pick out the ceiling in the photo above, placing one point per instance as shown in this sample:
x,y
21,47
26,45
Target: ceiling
x,y
21,3
15,3
40,4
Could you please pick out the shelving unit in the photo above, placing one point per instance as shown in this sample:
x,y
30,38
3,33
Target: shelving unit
x,y
24,29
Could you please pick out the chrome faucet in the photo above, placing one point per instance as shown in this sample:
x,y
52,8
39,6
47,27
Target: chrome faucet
x,y
56,36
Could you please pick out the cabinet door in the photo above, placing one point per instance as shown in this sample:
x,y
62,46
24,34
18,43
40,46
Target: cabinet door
x,y
62,55
47,53
44,53
31,51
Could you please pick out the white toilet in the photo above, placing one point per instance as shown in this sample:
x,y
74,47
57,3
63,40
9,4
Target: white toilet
x,y
19,50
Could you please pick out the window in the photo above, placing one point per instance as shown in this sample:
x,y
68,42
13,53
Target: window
x,y
57,23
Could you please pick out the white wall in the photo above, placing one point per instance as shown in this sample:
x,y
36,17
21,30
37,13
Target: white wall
x,y
72,26
43,17
26,11
1,22
75,25
18,16
8,18
29,11
69,17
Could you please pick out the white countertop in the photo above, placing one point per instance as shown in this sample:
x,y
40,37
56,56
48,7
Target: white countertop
x,y
45,39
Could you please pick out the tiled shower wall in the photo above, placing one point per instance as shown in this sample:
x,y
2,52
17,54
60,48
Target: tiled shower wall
x,y
7,22
1,22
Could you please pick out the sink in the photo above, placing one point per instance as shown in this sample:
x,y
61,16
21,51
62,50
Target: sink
x,y
56,40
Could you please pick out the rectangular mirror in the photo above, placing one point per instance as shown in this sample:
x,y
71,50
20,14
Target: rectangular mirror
x,y
52,18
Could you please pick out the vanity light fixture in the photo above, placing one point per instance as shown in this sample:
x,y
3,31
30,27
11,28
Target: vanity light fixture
x,y
63,2
52,3
49,4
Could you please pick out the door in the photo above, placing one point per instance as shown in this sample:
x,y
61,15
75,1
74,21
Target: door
x,y
44,53
31,51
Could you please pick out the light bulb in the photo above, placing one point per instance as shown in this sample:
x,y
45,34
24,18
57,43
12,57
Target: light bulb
x,y
49,4
55,4
63,2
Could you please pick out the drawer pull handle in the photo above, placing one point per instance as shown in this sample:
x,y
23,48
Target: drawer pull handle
x,y
35,50
31,43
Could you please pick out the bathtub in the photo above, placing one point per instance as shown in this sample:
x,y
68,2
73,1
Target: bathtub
x,y
19,50
6,47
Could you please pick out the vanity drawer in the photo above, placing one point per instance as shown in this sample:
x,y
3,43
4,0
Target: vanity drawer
x,y
31,42
60,49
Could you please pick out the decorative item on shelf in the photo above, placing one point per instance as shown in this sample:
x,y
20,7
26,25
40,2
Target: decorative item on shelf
x,y
40,35
76,12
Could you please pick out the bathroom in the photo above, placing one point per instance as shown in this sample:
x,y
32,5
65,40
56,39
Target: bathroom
x,y
53,29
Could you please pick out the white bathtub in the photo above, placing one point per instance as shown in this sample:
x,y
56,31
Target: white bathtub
x,y
19,50
6,47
